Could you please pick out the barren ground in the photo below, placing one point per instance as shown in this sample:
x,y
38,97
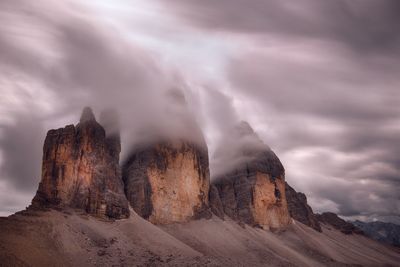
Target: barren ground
x,y
54,238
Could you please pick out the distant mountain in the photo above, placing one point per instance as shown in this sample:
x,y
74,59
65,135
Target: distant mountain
x,y
384,232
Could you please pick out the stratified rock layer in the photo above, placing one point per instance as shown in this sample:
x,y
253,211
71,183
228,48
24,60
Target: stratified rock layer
x,y
168,182
81,170
299,209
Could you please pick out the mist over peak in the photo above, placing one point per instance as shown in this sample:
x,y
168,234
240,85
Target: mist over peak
x,y
240,145
317,80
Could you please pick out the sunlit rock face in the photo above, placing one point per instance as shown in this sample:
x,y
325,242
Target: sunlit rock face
x,y
81,170
252,190
166,173
299,208
168,182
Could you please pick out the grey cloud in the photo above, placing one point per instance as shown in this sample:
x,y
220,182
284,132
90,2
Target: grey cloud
x,y
318,78
21,149
325,76
84,63
361,25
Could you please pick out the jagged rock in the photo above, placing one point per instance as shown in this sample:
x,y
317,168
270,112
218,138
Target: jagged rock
x,y
338,223
253,192
80,170
299,209
168,181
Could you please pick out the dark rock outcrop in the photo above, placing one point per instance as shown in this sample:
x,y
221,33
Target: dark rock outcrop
x,y
338,223
215,202
299,209
168,181
81,170
253,192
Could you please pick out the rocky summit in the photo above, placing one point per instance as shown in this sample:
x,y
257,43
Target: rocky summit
x,y
73,219
253,192
81,170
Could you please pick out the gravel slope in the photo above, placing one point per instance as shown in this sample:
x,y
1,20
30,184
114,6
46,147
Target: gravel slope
x,y
55,238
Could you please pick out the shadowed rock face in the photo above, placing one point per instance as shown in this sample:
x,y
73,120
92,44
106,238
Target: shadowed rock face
x,y
254,191
81,170
215,202
338,223
168,182
299,209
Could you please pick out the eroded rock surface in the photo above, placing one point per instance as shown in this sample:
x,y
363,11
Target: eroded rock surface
x,y
299,208
253,192
168,182
81,170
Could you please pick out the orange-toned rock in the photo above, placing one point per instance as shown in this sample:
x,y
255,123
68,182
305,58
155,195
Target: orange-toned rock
x,y
81,170
168,182
253,190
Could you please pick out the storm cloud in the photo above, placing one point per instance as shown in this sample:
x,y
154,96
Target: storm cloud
x,y
317,80
322,78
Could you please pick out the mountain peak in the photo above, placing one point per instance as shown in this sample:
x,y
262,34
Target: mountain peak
x,y
87,115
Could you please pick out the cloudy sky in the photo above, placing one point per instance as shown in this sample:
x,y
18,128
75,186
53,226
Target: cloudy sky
x,y
318,81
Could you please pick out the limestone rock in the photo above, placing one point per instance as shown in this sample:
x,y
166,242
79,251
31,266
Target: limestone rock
x,y
253,192
299,209
338,223
168,182
81,170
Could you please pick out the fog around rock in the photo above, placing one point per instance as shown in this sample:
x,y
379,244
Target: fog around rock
x,y
317,81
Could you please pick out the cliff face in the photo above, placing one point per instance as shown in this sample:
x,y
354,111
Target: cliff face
x,y
254,191
81,170
254,197
168,182
299,209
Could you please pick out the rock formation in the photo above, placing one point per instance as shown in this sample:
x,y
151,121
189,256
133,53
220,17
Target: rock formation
x,y
166,175
81,170
253,190
299,209
168,181
330,218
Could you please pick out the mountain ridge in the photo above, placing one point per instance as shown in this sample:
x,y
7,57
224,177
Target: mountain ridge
x,y
163,209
